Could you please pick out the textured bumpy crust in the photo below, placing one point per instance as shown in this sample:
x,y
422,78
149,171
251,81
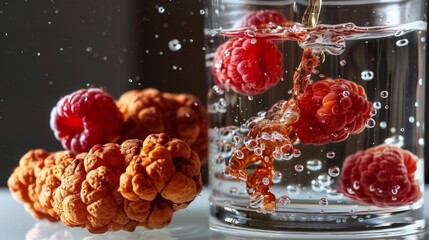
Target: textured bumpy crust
x,y
179,115
112,187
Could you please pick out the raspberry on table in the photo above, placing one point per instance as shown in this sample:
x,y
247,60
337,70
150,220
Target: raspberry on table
x,y
248,66
330,110
85,118
382,176
261,17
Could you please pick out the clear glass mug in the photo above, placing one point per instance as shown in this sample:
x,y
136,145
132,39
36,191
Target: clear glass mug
x,y
316,116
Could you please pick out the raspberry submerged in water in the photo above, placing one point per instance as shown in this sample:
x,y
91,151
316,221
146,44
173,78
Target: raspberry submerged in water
x,y
261,17
330,110
382,176
85,118
248,66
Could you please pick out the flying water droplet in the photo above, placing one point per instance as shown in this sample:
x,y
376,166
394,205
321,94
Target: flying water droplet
x,y
367,75
174,45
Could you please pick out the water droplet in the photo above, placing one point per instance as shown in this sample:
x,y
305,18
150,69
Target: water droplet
x,y
383,125
411,119
343,63
370,123
250,98
423,39
367,75
346,93
314,165
299,168
202,11
402,42
284,200
277,177
334,171
330,154
161,9
256,200
89,49
384,94
323,202
253,41
174,45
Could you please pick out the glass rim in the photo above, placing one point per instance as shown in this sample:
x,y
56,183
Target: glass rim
x,y
325,2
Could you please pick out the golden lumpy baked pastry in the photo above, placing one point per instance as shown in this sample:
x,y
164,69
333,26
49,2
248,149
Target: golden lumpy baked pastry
x,y
150,111
112,187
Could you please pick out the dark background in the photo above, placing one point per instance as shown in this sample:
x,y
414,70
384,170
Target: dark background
x,y
51,48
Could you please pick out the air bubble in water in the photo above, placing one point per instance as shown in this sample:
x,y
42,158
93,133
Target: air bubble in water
x,y
174,45
325,180
202,11
384,94
346,93
402,42
250,33
316,186
383,125
217,90
377,105
367,75
411,119
256,200
277,177
253,41
250,98
343,63
370,123
233,190
334,171
239,154
265,181
299,168
421,141
396,140
323,202
330,154
314,165
292,189
89,49
399,33
284,200
356,185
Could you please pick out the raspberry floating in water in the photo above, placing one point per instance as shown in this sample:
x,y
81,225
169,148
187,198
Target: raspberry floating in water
x,y
85,118
248,66
330,110
261,17
381,176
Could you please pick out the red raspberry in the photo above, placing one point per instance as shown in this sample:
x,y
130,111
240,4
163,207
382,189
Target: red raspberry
x,y
330,110
247,66
261,17
85,118
381,176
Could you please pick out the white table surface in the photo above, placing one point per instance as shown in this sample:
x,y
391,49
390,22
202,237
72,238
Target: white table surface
x,y
191,223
